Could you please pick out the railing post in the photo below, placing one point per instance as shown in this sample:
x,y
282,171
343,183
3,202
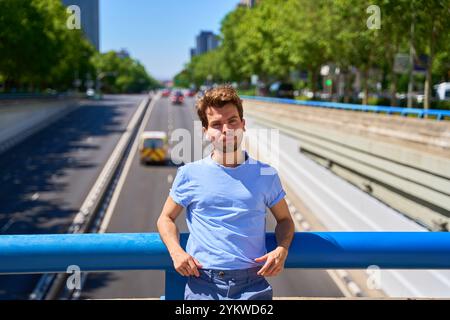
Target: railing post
x,y
174,286
174,282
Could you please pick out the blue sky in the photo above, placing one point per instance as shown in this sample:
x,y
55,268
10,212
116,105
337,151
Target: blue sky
x,y
159,33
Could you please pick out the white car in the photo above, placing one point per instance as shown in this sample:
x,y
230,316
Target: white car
x,y
443,90
90,93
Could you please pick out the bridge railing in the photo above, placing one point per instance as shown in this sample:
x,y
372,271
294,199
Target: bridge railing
x,y
21,254
440,114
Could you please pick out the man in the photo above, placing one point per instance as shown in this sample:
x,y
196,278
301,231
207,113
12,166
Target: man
x,y
226,195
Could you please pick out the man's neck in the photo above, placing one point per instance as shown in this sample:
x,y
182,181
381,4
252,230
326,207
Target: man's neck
x,y
231,159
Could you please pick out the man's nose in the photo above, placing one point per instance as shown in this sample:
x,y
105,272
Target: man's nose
x,y
227,132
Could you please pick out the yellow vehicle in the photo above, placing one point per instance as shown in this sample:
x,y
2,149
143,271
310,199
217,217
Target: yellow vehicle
x,y
153,147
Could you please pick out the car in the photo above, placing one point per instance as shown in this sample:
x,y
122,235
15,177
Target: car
x,y
443,90
90,93
282,90
153,147
166,93
177,97
191,93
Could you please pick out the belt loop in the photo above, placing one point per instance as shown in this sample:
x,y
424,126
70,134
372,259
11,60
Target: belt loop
x,y
208,274
211,275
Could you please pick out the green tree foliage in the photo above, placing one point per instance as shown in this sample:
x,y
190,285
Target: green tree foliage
x,y
122,74
280,36
32,38
39,51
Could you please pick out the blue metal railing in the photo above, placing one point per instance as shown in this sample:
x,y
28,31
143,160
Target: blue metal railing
x,y
145,251
420,113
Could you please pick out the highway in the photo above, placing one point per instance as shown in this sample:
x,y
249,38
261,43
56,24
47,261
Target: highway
x,y
46,178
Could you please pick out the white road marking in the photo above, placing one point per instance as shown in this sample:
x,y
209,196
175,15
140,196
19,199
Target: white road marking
x,y
126,169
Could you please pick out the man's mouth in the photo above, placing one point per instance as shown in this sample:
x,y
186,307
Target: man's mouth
x,y
229,139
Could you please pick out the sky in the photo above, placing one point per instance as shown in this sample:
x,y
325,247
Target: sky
x,y
159,33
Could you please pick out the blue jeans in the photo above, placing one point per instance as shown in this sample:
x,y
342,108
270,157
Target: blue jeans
x,y
242,284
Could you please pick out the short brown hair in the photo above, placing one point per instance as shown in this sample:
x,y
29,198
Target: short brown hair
x,y
216,98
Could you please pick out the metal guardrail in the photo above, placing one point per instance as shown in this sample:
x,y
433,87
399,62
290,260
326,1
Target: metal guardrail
x,y
21,254
420,113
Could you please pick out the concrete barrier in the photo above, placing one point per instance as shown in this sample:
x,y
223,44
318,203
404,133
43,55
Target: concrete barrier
x,y
403,162
20,119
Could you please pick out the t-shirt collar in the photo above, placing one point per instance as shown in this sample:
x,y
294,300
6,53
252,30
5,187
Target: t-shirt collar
x,y
210,160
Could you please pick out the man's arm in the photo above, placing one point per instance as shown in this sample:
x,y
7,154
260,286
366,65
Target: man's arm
x,y
284,233
184,264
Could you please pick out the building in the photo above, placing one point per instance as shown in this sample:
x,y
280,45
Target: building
x,y
90,19
248,3
123,54
205,41
192,51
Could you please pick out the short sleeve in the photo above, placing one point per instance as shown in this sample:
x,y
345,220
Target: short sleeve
x,y
275,193
180,188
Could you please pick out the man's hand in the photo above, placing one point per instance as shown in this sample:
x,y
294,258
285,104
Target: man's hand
x,y
185,264
274,262
182,261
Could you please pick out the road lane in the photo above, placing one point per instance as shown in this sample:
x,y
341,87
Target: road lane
x,y
137,210
45,179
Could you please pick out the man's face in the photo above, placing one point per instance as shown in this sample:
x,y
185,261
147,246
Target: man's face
x,y
225,128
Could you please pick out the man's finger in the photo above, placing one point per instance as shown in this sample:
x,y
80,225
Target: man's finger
x,y
193,268
183,272
188,269
264,257
199,265
266,265
271,269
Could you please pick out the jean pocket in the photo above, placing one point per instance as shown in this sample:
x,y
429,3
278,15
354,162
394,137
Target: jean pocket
x,y
260,288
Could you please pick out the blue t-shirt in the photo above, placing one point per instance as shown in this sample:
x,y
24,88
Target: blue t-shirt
x,y
226,210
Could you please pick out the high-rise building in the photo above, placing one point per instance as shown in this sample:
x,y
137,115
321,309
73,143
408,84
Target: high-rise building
x,y
206,41
192,51
90,20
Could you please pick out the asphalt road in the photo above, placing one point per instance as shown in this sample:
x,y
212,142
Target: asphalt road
x,y
138,207
45,179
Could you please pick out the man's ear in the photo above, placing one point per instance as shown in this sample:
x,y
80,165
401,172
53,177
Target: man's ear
x,y
243,124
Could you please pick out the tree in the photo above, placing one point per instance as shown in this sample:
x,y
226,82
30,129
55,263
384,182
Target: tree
x,y
36,48
122,74
232,50
309,26
395,27
433,21
30,40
